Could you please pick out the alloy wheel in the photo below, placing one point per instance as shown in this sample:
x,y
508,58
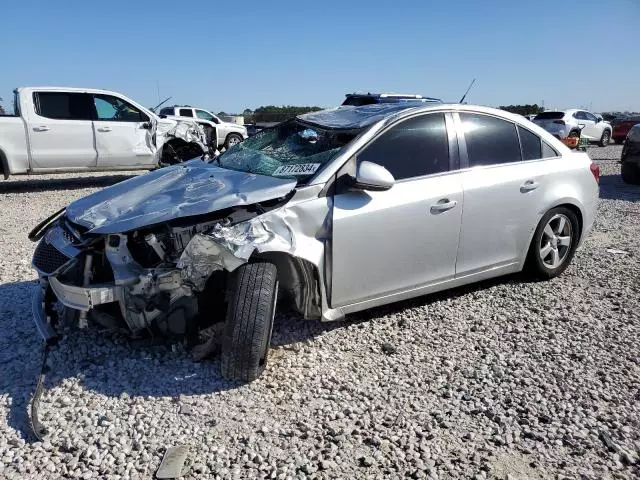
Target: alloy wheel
x,y
555,243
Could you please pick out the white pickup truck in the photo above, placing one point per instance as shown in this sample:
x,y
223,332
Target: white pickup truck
x,y
80,129
227,133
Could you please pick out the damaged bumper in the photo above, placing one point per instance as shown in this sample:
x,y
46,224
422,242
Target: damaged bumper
x,y
40,317
82,298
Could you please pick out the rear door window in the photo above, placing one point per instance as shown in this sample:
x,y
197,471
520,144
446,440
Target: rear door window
x,y
590,116
186,112
533,147
530,143
412,148
490,140
63,105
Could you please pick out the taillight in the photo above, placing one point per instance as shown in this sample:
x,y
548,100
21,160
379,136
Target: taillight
x,y
595,170
559,122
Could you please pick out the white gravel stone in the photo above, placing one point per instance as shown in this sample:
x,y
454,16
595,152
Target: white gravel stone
x,y
506,377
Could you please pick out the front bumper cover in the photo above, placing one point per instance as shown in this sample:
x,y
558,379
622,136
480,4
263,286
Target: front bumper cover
x,y
45,329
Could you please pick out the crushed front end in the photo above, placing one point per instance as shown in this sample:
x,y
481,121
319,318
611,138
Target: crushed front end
x,y
128,282
150,281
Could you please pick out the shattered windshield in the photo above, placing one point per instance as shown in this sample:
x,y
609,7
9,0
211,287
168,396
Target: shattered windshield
x,y
289,150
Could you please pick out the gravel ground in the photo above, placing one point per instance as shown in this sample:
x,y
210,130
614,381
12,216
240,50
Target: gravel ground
x,y
503,379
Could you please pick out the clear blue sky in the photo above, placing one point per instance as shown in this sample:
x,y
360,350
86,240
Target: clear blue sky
x,y
229,55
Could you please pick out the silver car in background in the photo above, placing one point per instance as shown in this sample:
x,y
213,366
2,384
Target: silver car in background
x,y
333,212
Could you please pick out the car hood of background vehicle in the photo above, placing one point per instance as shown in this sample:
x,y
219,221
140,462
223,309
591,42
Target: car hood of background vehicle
x,y
192,188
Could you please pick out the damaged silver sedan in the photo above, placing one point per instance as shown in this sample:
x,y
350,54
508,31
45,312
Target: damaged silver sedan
x,y
332,212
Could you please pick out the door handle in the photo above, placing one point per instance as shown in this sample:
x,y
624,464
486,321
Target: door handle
x,y
443,205
41,128
528,186
104,129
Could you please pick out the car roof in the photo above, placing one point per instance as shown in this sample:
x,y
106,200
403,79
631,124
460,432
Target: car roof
x,y
355,118
351,118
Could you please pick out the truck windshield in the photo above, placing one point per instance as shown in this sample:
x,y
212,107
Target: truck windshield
x,y
289,150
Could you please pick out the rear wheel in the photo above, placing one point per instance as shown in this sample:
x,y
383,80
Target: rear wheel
x,y
554,243
630,173
604,140
253,292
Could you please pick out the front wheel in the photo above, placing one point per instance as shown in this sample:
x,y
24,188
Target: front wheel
x,y
232,139
178,152
604,140
554,243
253,292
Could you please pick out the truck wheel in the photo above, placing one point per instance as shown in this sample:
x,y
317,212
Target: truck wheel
x,y
630,173
253,290
604,140
178,152
553,244
232,139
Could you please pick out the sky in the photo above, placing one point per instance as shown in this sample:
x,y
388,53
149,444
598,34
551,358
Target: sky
x,y
228,56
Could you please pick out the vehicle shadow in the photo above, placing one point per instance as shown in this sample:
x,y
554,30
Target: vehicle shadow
x,y
613,188
111,365
48,184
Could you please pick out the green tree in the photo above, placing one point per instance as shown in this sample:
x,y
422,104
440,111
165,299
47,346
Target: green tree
x,y
523,109
272,113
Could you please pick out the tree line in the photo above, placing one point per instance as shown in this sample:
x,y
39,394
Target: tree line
x,y
523,109
273,113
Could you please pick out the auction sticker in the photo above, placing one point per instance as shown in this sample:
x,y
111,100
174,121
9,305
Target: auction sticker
x,y
297,169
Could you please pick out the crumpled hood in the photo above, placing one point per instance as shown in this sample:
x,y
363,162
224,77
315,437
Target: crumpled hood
x,y
192,188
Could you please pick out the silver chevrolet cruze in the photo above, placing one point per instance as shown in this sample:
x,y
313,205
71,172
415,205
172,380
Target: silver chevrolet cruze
x,y
332,212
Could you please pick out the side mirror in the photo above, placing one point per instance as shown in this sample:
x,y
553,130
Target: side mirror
x,y
374,177
146,125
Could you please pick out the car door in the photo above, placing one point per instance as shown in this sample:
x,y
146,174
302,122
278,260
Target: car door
x,y
60,131
213,133
123,136
387,242
222,129
593,128
585,124
504,184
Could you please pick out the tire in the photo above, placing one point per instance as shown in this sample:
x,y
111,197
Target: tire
x,y
253,290
619,141
606,137
544,268
178,152
232,139
630,173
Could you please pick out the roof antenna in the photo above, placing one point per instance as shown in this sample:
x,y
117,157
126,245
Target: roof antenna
x,y
160,104
465,93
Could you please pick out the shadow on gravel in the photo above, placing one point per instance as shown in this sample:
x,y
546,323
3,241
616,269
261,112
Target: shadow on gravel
x,y
39,185
20,353
109,364
613,188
